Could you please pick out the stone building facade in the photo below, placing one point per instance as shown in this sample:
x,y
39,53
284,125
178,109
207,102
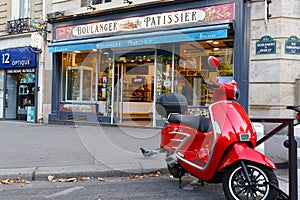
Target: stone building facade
x,y
273,77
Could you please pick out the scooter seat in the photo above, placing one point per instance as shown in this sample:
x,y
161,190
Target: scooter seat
x,y
198,122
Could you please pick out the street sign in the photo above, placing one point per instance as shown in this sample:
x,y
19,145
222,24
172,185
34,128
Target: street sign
x,y
266,45
292,45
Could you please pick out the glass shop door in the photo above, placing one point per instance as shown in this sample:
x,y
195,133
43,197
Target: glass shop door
x,y
134,86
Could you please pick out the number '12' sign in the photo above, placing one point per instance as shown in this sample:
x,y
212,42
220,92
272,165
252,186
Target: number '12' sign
x,y
5,58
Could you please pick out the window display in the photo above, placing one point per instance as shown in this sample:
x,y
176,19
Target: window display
x,y
79,83
123,84
79,79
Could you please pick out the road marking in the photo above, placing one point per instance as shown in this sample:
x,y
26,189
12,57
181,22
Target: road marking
x,y
64,192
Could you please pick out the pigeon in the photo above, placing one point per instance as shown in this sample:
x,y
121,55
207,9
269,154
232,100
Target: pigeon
x,y
146,153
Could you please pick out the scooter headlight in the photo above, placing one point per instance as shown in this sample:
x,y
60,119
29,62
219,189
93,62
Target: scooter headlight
x,y
232,91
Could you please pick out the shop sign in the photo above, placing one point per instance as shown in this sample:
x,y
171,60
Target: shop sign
x,y
266,45
23,70
203,35
292,45
17,58
36,40
70,107
191,16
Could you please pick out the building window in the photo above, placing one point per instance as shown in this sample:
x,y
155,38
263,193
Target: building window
x,y
93,2
20,9
24,8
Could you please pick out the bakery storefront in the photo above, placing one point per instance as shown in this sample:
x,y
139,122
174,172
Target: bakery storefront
x,y
111,68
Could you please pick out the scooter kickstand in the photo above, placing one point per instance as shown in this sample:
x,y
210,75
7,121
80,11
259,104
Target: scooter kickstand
x,y
181,174
180,183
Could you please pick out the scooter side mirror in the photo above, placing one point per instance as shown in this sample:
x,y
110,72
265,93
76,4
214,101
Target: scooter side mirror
x,y
213,61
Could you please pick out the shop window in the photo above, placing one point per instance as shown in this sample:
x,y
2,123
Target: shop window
x,y
79,77
164,70
191,68
79,83
138,70
20,94
26,93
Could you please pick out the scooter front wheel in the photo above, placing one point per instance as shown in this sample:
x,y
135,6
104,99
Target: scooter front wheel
x,y
253,186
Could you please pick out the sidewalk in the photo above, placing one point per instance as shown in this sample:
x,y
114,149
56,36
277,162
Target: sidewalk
x,y
34,151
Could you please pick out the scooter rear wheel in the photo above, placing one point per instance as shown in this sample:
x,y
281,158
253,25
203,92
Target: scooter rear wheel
x,y
176,170
236,186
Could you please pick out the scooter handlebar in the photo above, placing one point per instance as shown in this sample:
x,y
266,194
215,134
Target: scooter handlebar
x,y
211,85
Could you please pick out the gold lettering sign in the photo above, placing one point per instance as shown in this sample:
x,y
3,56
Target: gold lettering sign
x,y
191,16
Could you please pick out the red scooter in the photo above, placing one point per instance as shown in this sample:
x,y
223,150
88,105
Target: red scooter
x,y
218,145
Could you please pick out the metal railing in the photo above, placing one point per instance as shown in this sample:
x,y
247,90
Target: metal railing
x,y
17,26
292,149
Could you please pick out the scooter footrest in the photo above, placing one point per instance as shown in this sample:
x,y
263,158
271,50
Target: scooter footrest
x,y
171,159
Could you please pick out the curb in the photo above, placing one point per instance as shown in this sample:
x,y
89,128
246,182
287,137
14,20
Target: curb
x,y
105,124
25,173
42,173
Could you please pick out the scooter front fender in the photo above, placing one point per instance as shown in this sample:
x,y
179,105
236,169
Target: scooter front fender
x,y
240,151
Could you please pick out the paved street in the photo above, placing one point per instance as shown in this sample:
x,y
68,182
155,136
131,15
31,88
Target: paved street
x,y
125,188
35,151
